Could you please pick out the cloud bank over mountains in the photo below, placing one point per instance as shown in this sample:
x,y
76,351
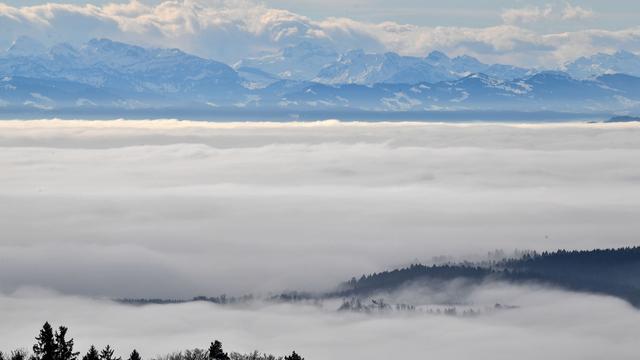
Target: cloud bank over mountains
x,y
230,30
533,14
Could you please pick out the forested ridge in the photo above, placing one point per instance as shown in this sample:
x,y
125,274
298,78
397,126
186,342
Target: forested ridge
x,y
613,272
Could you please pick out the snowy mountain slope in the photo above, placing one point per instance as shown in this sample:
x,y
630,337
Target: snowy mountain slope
x,y
621,62
107,74
300,62
358,67
545,91
132,71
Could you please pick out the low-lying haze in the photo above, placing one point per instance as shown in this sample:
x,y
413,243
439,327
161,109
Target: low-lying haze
x,y
547,324
177,209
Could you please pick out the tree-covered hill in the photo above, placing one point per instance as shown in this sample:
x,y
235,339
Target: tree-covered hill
x,y
613,272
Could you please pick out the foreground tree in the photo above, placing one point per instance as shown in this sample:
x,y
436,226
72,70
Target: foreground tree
x,y
293,356
216,353
64,347
19,354
135,355
45,347
52,345
196,354
92,354
107,354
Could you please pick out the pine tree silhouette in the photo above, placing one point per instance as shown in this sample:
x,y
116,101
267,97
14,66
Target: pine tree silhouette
x,y
18,355
216,353
293,356
107,354
92,354
64,347
45,347
135,355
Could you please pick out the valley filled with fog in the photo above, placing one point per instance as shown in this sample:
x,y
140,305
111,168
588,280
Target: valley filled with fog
x,y
97,210
547,324
177,209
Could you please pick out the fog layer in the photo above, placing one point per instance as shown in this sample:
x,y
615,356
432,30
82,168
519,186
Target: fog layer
x,y
177,209
546,325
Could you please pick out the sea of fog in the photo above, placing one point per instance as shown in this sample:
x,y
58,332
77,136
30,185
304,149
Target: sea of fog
x,y
93,210
548,324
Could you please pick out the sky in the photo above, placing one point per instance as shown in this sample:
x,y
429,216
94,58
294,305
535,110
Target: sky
x,y
527,33
614,14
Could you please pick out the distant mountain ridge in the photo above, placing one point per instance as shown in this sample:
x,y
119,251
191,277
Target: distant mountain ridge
x,y
118,71
541,91
612,272
107,74
301,62
620,62
310,62
358,67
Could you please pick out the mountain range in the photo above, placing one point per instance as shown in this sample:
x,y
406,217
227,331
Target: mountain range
x,y
311,62
621,62
107,74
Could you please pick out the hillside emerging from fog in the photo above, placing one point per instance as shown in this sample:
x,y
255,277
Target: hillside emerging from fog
x,y
614,272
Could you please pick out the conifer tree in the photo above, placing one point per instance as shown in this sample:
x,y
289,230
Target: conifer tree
x,y
18,355
92,354
45,347
216,353
2,356
135,355
64,347
293,356
107,354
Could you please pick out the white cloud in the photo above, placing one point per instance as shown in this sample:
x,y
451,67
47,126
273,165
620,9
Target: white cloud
x,y
230,30
534,14
526,15
132,9
576,12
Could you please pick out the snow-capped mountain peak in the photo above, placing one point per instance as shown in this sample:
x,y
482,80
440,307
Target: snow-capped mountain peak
x,y
620,62
107,73
299,62
358,67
